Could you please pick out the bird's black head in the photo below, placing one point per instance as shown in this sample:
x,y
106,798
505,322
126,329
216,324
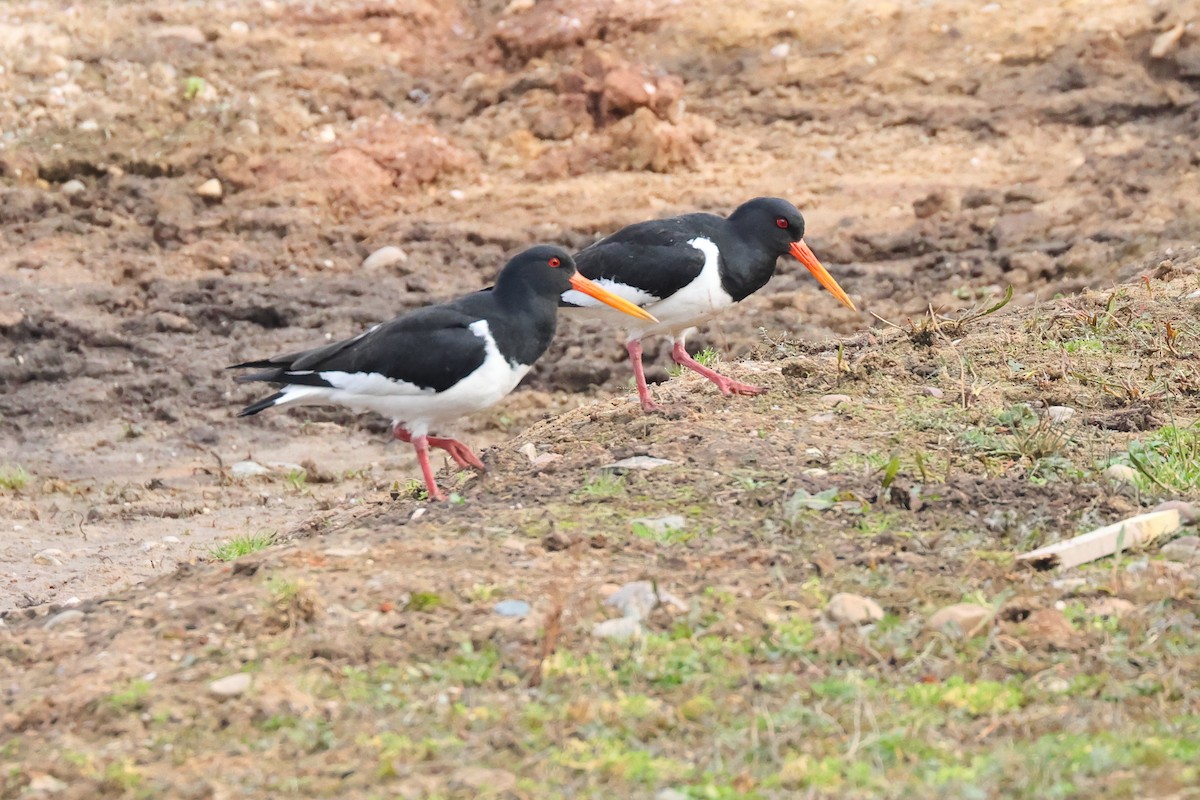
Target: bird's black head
x,y
769,221
542,271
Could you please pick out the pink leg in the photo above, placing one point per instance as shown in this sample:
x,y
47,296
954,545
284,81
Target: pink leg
x,y
421,443
461,454
634,346
726,385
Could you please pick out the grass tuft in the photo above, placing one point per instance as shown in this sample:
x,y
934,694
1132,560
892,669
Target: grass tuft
x,y
242,545
13,477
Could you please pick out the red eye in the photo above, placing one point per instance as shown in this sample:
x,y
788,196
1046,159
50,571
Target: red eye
x,y
555,262
781,223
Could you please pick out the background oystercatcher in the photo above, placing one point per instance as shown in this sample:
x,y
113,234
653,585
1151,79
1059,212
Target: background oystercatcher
x,y
433,365
687,269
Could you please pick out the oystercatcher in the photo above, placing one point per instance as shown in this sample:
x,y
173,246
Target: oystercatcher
x,y
687,269
433,365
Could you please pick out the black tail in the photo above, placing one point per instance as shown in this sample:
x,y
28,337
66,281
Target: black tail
x,y
260,405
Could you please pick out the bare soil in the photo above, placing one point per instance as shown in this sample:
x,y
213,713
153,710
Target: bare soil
x,y
941,153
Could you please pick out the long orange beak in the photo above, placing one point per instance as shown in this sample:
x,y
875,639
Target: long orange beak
x,y
805,256
619,303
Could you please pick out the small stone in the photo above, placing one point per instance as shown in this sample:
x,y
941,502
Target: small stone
x,y
239,28
45,784
166,322
188,33
73,187
556,540
671,522
637,599
482,780
248,127
620,629
50,557
230,685
853,609
1120,473
1111,607
384,257
1060,415
1049,627
834,400
1185,548
933,391
64,618
1189,513
637,462
248,469
346,552
170,540
780,50
1167,41
512,608
211,189
960,619
823,419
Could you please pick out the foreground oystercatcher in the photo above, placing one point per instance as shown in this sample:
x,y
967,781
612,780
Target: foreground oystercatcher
x,y
433,365
687,269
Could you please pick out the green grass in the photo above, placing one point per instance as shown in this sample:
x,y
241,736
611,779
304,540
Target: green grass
x,y
13,477
1168,460
242,545
604,486
707,357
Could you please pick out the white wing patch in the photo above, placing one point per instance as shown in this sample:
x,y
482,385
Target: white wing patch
x,y
630,293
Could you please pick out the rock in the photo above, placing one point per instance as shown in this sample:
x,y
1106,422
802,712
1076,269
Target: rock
x,y
50,557
1189,513
853,609
671,522
637,599
512,608
960,619
211,189
45,784
1060,415
1185,548
64,618
1111,607
248,469
1167,41
1120,473
166,322
188,33
637,462
482,781
385,257
620,629
231,685
556,540
834,400
73,187
346,552
642,141
1049,628
933,391
930,204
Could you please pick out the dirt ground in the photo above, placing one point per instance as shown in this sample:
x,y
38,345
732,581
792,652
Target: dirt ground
x,y
185,186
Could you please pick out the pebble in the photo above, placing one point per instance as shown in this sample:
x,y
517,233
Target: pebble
x,y
637,599
1060,415
230,685
73,187
385,257
239,28
170,540
823,419
248,126
781,50
637,462
50,557
620,629
1185,548
64,618
1120,473
45,784
512,608
933,391
671,522
248,469
853,609
346,552
1189,513
556,541
1111,607
960,619
834,400
211,189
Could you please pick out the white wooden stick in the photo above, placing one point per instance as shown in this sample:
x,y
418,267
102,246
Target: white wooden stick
x,y
1102,542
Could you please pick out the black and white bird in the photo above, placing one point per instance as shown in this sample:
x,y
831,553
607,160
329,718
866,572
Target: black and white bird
x,y
685,270
431,366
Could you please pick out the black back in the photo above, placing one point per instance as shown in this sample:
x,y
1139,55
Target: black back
x,y
434,347
655,256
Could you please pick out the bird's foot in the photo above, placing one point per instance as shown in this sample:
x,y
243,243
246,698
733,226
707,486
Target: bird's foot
x,y
729,386
458,451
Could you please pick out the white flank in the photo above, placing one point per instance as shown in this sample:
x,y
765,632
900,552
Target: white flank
x,y
700,300
419,409
630,293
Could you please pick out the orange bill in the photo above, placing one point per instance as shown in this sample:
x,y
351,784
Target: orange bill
x,y
806,257
619,303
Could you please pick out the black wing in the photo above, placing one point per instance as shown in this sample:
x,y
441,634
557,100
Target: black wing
x,y
432,348
653,257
